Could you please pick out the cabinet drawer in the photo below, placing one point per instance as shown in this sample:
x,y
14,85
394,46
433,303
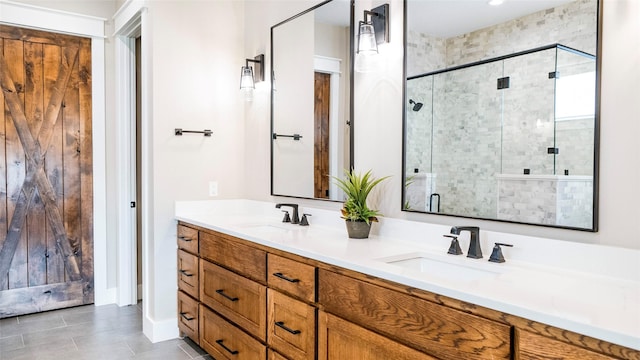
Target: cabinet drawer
x,y
292,326
532,346
272,355
292,277
187,239
340,339
446,333
231,254
225,341
239,299
188,276
188,317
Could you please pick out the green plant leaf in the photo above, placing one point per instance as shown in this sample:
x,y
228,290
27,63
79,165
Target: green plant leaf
x,y
357,188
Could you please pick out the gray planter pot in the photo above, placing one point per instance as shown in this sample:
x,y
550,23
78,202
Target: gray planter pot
x,y
358,229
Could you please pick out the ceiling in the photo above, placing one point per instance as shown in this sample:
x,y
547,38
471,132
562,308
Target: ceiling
x,y
448,18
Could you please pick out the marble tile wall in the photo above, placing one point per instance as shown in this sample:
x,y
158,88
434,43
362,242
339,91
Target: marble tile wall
x,y
554,200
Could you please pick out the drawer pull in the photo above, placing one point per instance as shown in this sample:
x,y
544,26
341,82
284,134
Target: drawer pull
x,y
185,273
232,352
184,316
280,324
221,292
184,238
284,277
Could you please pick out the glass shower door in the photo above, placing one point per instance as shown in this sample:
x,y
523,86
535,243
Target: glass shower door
x,y
528,134
467,120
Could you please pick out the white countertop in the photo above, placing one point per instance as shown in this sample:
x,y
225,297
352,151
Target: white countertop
x,y
589,289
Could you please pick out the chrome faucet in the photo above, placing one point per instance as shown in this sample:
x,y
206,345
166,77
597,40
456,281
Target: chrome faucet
x,y
294,216
474,252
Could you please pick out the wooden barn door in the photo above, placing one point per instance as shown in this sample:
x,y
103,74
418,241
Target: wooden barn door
x,y
46,229
321,135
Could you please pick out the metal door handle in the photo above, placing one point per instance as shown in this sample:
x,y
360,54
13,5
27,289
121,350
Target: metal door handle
x,y
284,277
184,316
280,324
185,273
233,352
221,292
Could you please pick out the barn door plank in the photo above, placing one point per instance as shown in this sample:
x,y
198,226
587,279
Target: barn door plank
x,y
71,160
34,112
55,260
3,170
86,167
16,171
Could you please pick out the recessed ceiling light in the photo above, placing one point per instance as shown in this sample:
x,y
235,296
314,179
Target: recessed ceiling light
x,y
495,2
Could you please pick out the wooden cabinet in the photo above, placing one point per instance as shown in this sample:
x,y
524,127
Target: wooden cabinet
x,y
241,300
435,329
223,340
272,355
188,239
188,316
188,276
292,326
188,282
340,339
536,347
292,277
237,256
237,298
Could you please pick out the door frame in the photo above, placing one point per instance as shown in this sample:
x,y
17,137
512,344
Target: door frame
x,y
35,17
130,22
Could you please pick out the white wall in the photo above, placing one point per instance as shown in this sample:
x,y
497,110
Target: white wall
x,y
196,54
378,120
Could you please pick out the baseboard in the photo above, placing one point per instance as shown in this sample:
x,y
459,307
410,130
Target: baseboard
x,y
157,331
105,297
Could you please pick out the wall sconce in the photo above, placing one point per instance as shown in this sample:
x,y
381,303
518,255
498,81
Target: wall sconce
x,y
375,31
370,34
248,77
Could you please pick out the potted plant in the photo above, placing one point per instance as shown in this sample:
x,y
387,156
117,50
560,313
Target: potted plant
x,y
358,216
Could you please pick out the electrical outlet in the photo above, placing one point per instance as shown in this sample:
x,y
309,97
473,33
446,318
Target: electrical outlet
x,y
213,188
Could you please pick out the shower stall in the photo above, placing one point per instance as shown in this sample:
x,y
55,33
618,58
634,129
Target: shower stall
x,y
509,138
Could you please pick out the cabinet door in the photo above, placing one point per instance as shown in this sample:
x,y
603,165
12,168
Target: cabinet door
x,y
188,317
237,298
188,273
340,339
272,355
441,331
224,341
188,239
234,254
536,347
292,326
292,277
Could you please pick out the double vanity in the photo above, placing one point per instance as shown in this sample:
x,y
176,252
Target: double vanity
x,y
252,287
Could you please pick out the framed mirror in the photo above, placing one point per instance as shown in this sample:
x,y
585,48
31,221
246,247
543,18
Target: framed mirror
x,y
501,110
311,101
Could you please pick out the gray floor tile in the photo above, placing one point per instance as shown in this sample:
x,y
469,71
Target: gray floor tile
x,y
11,343
88,332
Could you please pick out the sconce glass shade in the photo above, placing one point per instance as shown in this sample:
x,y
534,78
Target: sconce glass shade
x,y
246,78
367,44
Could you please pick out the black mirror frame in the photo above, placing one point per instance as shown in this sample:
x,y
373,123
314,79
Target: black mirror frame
x,y
596,140
351,93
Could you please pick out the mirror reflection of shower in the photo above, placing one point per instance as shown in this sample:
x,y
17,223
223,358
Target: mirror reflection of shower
x,y
416,105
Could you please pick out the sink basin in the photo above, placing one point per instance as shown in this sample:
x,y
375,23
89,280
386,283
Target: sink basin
x,y
455,269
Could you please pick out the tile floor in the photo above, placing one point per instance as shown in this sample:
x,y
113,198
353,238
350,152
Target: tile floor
x,y
88,332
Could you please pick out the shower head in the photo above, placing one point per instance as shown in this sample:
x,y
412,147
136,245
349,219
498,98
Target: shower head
x,y
416,106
